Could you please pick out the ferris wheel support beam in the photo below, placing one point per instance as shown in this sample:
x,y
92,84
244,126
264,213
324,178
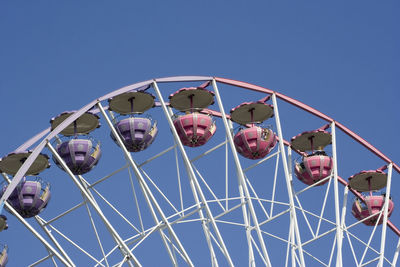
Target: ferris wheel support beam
x,y
339,230
36,234
193,176
344,208
124,248
243,202
205,226
291,236
288,179
385,214
147,192
241,178
193,186
85,185
155,218
97,234
244,209
41,223
396,254
292,242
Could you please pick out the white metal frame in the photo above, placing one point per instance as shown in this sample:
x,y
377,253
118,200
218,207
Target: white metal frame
x,y
258,211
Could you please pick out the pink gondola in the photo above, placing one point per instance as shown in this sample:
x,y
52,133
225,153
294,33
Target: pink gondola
x,y
253,141
194,128
317,165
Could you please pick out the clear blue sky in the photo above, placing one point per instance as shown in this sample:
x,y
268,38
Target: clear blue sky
x,y
340,57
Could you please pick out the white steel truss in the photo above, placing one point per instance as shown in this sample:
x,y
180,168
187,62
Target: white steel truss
x,y
210,202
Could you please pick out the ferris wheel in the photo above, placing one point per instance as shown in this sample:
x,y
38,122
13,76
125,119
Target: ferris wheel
x,y
197,171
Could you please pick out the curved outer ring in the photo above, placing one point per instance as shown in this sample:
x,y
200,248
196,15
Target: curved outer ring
x,y
21,172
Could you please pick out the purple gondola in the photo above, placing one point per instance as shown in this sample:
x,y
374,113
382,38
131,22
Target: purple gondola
x,y
80,154
30,197
137,133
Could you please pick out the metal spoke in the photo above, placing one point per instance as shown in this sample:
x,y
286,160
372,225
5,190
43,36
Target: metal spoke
x,y
178,194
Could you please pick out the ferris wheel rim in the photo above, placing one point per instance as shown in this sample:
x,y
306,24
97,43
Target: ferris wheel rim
x,y
245,85
49,134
